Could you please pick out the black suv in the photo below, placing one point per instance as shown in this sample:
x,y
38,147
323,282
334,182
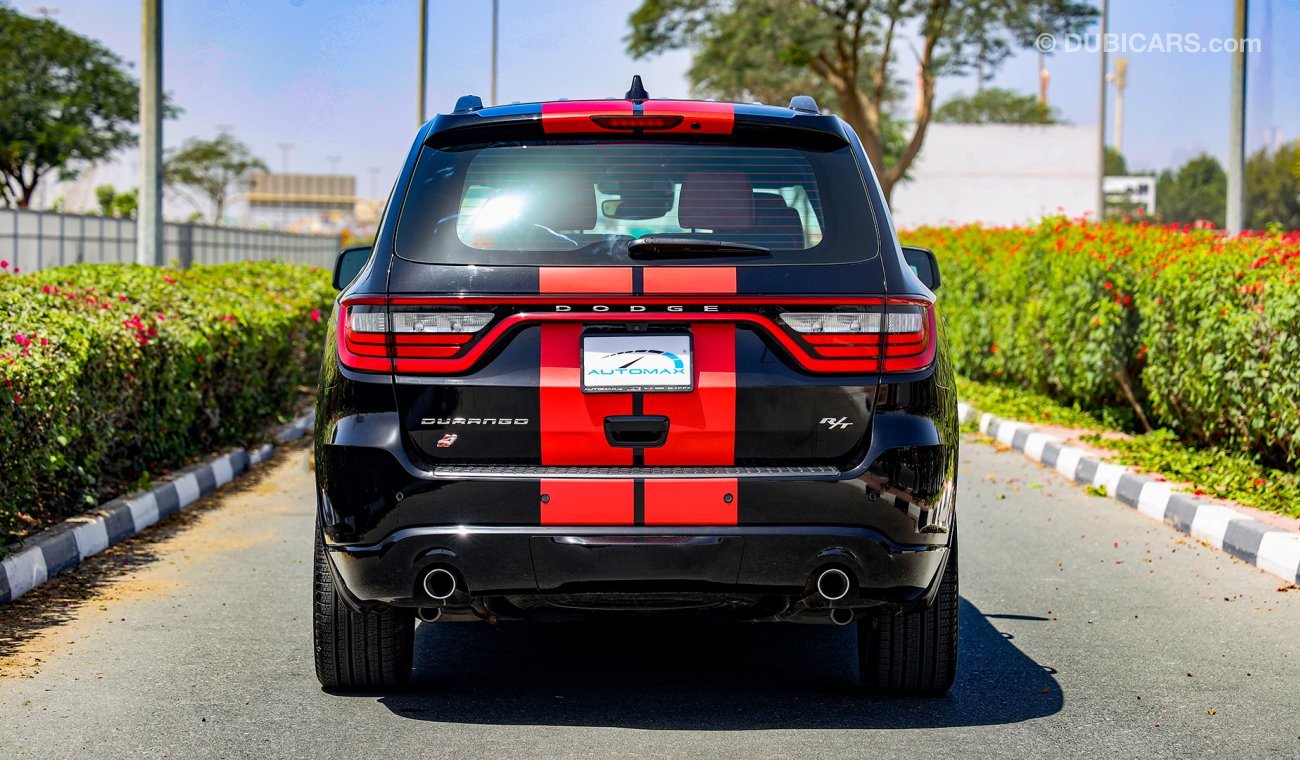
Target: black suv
x,y
637,357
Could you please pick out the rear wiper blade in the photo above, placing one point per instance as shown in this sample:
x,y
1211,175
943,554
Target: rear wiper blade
x,y
669,247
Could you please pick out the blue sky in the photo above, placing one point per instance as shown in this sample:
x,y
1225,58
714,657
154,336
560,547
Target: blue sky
x,y
338,77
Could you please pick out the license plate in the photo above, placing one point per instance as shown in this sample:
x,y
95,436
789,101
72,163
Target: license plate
x,y
636,363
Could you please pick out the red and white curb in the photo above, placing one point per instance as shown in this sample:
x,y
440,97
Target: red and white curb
x,y
66,545
1268,548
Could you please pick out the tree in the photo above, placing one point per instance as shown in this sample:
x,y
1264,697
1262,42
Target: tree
x,y
65,101
1116,164
113,203
212,168
1198,190
1273,187
844,52
995,106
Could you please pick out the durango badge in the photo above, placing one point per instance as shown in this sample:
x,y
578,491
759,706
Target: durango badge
x,y
447,440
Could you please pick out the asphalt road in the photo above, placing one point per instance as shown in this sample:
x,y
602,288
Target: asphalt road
x,y
1086,630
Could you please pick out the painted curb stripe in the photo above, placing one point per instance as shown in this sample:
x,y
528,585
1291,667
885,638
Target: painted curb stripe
x,y
1271,549
1279,553
78,538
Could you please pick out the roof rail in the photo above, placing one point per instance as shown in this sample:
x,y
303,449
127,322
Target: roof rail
x,y
804,103
467,103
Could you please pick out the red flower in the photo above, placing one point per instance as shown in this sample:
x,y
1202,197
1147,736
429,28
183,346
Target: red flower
x,y
45,289
18,398
315,317
22,340
1109,286
4,264
168,280
44,342
121,298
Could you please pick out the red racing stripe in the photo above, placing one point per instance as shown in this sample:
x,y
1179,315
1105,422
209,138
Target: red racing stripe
x,y
574,116
703,427
703,422
584,279
700,118
713,280
573,422
690,502
587,502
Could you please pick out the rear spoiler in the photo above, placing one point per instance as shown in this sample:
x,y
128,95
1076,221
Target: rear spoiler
x,y
643,120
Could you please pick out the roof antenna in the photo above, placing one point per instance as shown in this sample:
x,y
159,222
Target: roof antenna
x,y
637,93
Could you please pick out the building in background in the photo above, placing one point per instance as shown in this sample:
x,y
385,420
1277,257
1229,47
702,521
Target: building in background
x,y
302,202
999,174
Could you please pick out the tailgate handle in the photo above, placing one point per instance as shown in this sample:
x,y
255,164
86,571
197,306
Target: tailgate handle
x,y
636,430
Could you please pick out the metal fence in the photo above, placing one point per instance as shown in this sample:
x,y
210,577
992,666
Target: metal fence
x,y
31,240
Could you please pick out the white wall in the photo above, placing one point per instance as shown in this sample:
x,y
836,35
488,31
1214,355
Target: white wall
x,y
999,174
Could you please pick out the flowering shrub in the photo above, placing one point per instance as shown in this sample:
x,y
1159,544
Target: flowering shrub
x,y
1186,328
109,372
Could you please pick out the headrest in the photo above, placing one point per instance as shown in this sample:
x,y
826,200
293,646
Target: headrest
x,y
716,200
563,204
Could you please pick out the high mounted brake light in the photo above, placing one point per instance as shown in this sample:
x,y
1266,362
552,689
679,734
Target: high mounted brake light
x,y
637,122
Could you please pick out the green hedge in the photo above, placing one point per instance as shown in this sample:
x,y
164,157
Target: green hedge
x,y
1199,331
110,373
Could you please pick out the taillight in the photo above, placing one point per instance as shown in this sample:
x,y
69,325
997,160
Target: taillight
x,y
898,339
372,336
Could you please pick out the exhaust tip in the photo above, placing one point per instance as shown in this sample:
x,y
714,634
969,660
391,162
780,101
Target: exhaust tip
x,y
833,584
440,583
841,616
429,614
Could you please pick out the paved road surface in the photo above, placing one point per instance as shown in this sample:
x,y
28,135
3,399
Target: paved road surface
x,y
194,641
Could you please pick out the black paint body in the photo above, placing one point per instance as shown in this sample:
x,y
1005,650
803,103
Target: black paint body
x,y
884,511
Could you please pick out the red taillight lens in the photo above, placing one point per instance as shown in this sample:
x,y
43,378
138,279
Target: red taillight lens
x,y
898,339
909,335
637,122
372,335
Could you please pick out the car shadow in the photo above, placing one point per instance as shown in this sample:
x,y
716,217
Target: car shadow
x,y
719,677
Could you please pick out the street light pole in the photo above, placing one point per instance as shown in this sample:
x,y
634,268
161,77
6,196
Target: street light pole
x,y
1101,118
1236,212
149,224
496,6
424,56
284,182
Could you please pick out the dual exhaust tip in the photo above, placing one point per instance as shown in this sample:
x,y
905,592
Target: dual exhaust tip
x,y
832,585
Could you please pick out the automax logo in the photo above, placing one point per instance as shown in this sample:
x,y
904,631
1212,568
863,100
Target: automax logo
x,y
641,362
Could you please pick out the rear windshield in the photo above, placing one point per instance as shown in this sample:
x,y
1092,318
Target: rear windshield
x,y
582,203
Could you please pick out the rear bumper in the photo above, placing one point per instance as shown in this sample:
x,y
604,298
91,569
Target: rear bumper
x,y
513,561
755,531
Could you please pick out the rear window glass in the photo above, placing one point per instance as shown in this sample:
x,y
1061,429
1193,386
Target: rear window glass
x,y
582,203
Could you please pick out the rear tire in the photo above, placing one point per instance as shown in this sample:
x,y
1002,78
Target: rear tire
x,y
357,651
913,653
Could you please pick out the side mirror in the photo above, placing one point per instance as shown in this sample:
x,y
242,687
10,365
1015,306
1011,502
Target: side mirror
x,y
349,264
924,265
